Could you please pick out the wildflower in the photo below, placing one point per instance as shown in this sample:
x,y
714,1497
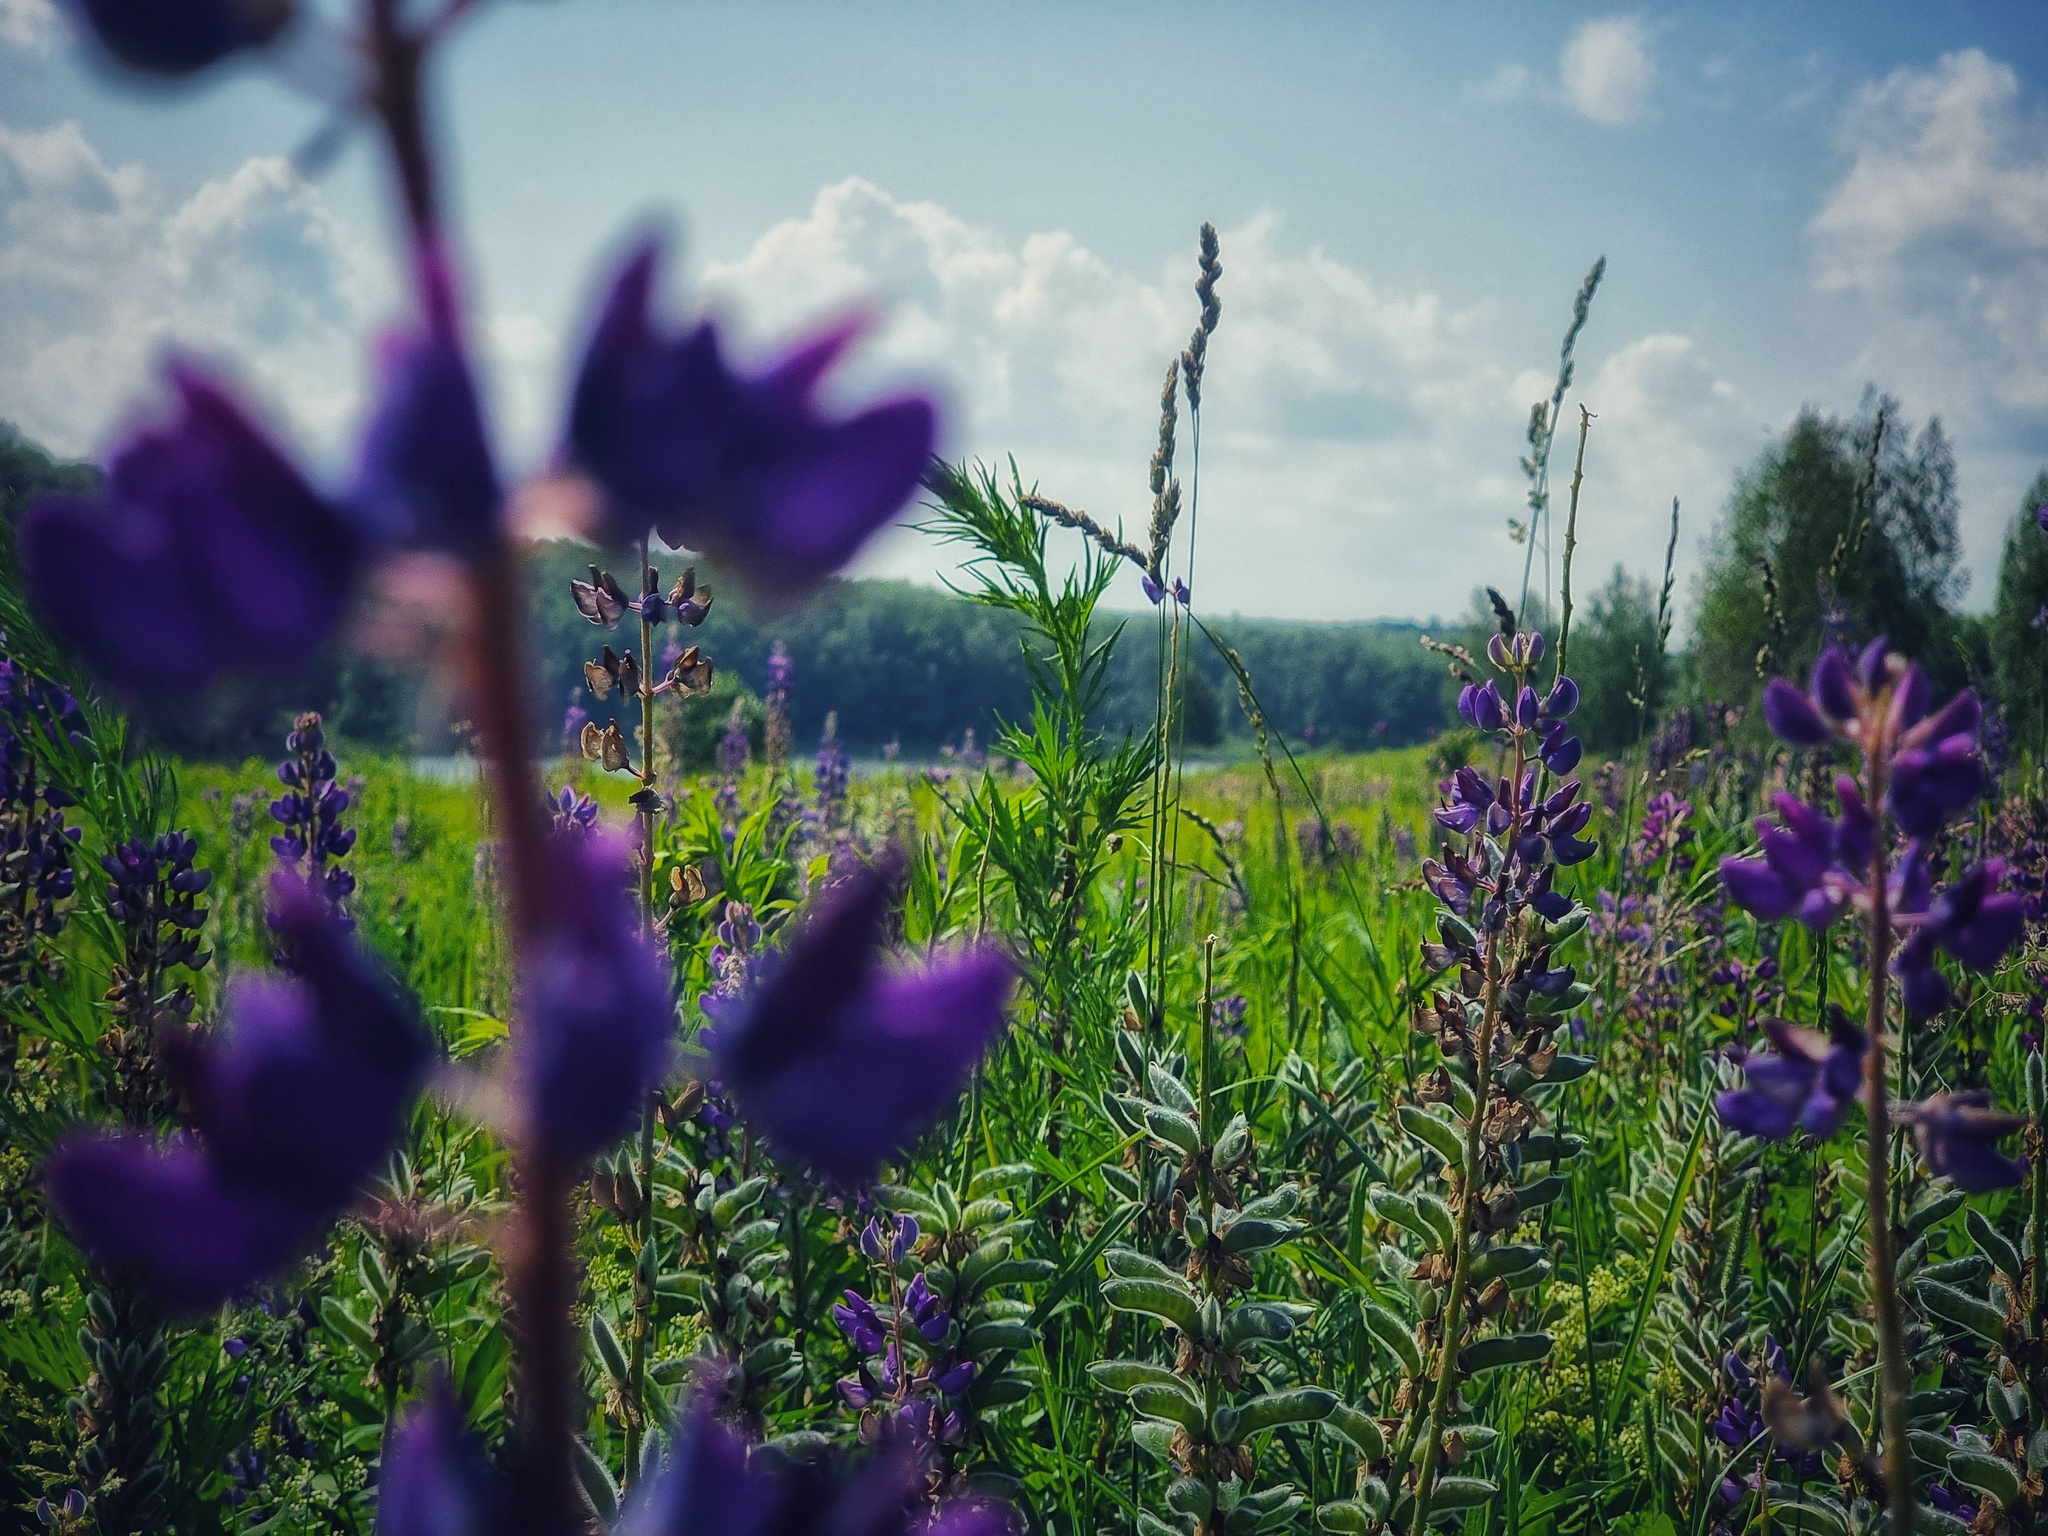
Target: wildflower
x,y
843,1064
180,37
309,813
859,1321
742,466
225,558
571,811
599,1013
296,1099
1959,1134
1808,1084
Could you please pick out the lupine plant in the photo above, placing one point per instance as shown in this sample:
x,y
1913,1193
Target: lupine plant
x,y
958,1147
1915,769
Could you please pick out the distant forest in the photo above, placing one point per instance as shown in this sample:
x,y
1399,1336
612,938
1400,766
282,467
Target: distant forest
x,y
893,661
1840,529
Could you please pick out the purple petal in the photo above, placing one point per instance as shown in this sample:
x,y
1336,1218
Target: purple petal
x,y
842,1065
1793,716
426,473
600,1014
161,1217
434,1480
308,1084
1833,690
224,558
1983,941
742,467
179,37
1758,889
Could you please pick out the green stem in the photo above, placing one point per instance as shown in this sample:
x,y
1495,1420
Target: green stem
x,y
1895,1375
643,1214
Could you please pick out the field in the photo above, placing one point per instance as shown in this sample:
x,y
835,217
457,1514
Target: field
x,y
1620,1107
1224,978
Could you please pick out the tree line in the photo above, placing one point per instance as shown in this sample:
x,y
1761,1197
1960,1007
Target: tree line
x,y
1843,528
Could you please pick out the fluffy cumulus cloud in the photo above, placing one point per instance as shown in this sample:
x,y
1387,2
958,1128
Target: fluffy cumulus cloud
x,y
1360,440
29,25
1606,71
1935,245
100,276
1942,218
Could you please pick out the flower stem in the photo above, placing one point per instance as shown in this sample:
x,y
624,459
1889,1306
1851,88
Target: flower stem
x,y
643,1220
1468,1191
1895,1376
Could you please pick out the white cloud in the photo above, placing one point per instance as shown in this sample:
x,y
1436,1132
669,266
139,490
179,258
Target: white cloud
x,y
1935,246
27,24
1606,71
1942,220
1360,440
99,276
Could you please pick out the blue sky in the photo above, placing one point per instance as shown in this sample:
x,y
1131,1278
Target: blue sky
x,y
1794,201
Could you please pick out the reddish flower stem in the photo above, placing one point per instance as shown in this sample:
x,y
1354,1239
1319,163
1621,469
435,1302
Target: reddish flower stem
x,y
540,1280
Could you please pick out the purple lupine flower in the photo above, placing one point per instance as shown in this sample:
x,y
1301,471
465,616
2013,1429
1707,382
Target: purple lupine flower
x,y
1155,594
710,1486
1959,1506
180,37
927,1313
426,477
1959,1134
573,812
225,559
843,1064
743,466
309,814
434,1479
296,1099
1815,869
833,774
1808,1084
2041,518
598,1008
859,1321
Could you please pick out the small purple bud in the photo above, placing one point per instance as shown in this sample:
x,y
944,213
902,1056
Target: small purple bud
x,y
1526,708
1154,593
1832,689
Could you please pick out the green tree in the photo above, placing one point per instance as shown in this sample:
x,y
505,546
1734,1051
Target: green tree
x,y
2019,623
28,471
1842,528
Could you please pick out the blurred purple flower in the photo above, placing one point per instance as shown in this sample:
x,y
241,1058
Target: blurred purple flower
x,y
710,1486
1808,1084
179,37
841,1063
296,1099
224,559
599,1012
1959,1135
426,477
744,467
434,1480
